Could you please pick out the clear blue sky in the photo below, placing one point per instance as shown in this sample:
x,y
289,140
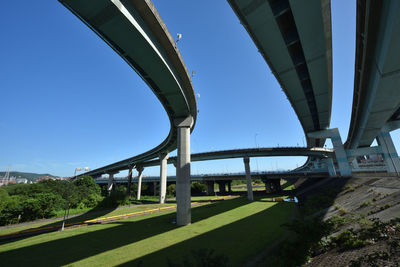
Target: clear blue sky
x,y
68,100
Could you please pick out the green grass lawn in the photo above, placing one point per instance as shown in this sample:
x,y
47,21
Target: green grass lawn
x,y
236,228
83,217
243,187
90,214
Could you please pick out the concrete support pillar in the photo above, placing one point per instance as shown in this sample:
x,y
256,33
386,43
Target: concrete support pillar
x,y
268,187
248,178
210,188
183,209
230,187
129,181
341,156
389,152
110,182
277,185
154,188
331,167
340,153
222,187
139,187
354,163
163,176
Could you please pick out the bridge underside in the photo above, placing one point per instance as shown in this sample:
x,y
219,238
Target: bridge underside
x,y
294,37
135,30
226,177
376,97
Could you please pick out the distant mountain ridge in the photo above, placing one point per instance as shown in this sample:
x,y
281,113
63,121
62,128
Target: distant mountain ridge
x,y
28,175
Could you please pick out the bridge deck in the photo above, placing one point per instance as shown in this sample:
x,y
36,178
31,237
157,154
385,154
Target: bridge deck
x,y
135,30
294,37
376,97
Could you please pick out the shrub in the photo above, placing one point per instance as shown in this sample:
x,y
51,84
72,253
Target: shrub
x,y
307,238
198,188
347,240
171,190
44,199
13,209
117,197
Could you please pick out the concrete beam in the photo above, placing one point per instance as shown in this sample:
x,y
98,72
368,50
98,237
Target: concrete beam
x,y
163,176
248,179
338,147
362,151
328,133
389,152
183,122
139,187
183,209
391,126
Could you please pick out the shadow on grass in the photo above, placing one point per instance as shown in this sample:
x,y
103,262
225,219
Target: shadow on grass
x,y
94,213
80,246
238,241
315,197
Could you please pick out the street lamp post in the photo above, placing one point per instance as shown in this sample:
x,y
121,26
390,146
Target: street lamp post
x,y
69,193
255,140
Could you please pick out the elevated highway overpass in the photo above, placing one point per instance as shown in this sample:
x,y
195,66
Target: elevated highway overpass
x,y
324,155
294,38
376,100
271,179
223,177
316,152
136,32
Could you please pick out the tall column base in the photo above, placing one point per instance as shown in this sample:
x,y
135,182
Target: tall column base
x,y
248,179
110,183
129,182
163,176
183,194
389,152
229,187
210,188
139,187
222,187
154,188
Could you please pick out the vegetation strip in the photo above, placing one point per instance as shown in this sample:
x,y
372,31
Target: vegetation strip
x,y
105,219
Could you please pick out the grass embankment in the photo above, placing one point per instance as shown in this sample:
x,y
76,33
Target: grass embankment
x,y
84,214
235,228
90,214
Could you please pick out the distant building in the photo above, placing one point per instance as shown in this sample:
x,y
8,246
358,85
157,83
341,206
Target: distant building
x,y
5,181
43,178
21,181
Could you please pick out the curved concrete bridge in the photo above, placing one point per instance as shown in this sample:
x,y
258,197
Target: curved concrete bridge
x,y
135,31
295,39
376,100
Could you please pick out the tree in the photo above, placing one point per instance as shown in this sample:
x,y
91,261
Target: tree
x,y
89,193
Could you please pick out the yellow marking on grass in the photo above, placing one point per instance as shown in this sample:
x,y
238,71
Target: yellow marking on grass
x,y
144,212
